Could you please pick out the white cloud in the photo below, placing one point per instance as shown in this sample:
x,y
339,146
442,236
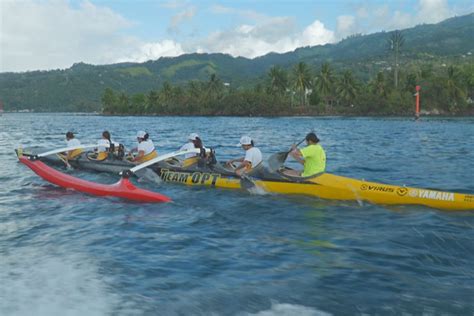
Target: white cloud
x,y
425,11
273,35
316,34
362,12
151,51
173,4
345,25
52,34
433,11
248,14
182,17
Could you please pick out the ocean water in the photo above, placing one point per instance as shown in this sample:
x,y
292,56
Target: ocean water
x,y
224,252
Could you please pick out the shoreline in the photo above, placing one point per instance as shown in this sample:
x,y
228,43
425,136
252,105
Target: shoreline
x,y
441,115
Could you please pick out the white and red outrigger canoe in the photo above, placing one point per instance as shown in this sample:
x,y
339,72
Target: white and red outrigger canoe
x,y
122,189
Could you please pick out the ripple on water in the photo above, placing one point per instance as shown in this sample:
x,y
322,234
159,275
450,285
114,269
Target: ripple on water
x,y
224,252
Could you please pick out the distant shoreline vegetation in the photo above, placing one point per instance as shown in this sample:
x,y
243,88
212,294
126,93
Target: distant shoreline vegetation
x,y
301,90
361,75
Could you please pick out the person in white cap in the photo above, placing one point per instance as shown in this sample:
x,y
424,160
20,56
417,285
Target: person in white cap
x,y
146,150
252,159
194,142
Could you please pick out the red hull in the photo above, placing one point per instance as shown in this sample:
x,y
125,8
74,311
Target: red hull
x,y
123,189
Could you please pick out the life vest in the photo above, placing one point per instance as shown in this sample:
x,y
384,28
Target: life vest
x,y
150,156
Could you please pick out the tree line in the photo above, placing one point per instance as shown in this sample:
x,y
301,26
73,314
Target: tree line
x,y
300,89
446,89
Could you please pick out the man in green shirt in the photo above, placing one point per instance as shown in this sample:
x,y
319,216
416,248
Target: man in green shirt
x,y
312,157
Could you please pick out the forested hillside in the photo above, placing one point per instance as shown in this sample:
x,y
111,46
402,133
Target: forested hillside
x,y
428,51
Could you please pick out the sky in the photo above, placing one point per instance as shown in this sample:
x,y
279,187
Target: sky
x,y
55,34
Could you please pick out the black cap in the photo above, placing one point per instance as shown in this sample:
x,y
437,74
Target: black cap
x,y
312,137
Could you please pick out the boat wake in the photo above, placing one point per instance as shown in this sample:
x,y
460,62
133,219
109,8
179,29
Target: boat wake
x,y
290,309
257,190
146,175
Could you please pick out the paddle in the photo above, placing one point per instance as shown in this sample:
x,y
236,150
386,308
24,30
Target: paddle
x,y
60,150
127,173
277,160
246,182
63,159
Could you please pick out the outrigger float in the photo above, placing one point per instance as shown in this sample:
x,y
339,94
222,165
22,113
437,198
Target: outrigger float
x,y
324,185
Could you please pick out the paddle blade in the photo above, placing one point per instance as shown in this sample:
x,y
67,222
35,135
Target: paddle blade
x,y
277,160
123,189
246,183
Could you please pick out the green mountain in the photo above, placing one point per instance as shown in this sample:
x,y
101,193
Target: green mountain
x,y
80,87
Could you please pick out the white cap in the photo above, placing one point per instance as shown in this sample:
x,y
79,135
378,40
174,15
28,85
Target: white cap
x,y
141,134
193,136
245,140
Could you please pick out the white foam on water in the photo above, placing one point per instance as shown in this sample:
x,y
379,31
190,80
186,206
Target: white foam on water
x,y
35,283
257,190
146,175
279,309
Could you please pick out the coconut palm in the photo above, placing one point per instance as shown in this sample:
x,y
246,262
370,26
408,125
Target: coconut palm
x,y
302,80
379,85
453,84
347,88
194,89
109,101
166,92
153,102
214,87
396,42
325,82
278,80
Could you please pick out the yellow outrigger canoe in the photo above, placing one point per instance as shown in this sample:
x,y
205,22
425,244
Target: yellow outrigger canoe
x,y
325,186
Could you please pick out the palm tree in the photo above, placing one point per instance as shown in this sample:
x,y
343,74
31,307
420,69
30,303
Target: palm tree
x,y
153,101
302,77
396,42
453,84
214,87
109,101
166,96
347,88
166,91
325,82
379,85
194,89
278,80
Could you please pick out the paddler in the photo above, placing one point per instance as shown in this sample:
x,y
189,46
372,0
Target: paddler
x,y
194,141
312,157
252,159
103,147
146,150
71,141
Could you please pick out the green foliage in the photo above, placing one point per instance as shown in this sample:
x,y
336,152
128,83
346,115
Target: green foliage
x,y
347,88
171,71
278,80
301,80
135,71
325,82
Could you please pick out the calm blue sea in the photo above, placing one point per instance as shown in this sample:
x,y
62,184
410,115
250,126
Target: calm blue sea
x,y
223,252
